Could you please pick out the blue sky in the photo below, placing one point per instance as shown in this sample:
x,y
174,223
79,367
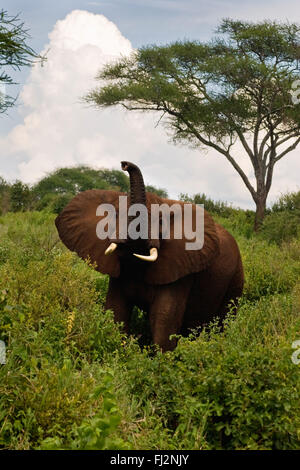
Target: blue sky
x,y
147,21
140,22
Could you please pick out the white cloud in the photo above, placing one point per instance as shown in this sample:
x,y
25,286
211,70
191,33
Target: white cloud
x,y
58,130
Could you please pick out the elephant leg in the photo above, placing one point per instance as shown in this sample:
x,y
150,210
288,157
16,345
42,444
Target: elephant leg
x,y
118,303
167,312
233,293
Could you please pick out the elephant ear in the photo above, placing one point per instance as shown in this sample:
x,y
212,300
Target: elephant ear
x,y
77,225
174,260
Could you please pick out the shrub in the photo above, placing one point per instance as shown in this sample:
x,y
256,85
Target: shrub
x,y
54,327
98,432
54,202
287,202
218,207
268,269
73,380
282,224
233,390
20,197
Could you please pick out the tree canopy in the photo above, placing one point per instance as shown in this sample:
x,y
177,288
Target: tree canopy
x,y
72,180
14,53
235,88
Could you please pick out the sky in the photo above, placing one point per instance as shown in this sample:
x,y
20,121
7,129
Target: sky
x,y
51,127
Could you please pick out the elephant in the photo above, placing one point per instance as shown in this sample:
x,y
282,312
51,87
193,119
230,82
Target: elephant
x,y
179,289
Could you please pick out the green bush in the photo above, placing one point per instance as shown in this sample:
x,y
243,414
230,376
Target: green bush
x,y
54,202
287,202
218,207
96,433
73,380
269,269
239,224
233,390
54,327
282,224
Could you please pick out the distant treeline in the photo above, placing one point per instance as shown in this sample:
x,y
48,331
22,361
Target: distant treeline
x,y
55,190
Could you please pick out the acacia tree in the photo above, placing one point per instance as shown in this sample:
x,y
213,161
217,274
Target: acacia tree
x,y
235,88
14,53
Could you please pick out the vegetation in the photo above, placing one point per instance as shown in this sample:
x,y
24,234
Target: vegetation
x,y
217,207
236,88
72,380
14,53
283,223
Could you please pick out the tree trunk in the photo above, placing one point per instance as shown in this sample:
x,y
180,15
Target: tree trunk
x,y
260,211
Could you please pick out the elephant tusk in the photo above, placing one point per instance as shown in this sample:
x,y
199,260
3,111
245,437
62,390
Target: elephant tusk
x,y
111,249
152,257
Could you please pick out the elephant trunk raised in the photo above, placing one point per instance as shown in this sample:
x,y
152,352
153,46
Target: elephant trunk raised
x,y
138,196
137,185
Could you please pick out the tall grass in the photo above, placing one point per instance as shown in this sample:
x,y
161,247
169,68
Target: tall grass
x,y
73,380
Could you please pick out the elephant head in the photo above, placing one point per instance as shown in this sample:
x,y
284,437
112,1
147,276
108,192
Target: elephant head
x,y
158,260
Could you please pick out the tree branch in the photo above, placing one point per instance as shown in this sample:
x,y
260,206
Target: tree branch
x,y
287,150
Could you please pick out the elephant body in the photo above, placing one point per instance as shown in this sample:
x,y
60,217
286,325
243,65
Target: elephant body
x,y
180,290
187,303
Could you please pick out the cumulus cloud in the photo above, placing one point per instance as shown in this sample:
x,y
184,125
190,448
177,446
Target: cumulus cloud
x,y
56,125
58,130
